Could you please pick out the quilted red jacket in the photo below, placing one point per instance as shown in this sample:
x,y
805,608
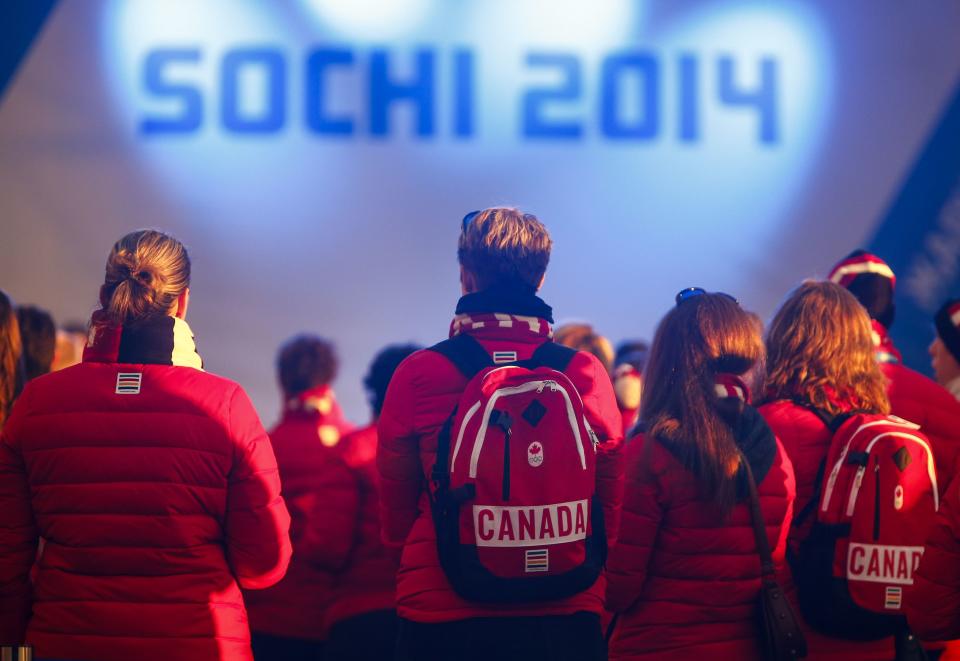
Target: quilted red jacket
x,y
932,604
321,491
684,581
369,580
919,399
807,440
156,493
423,392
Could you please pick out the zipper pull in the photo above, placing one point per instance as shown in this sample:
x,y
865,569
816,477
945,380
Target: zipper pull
x,y
540,388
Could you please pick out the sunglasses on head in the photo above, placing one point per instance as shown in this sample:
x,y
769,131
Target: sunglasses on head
x,y
469,219
693,292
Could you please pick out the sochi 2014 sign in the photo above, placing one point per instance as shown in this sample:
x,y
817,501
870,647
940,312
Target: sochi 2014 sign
x,y
630,93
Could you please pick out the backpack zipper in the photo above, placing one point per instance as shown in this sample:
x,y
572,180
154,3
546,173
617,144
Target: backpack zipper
x,y
876,499
515,390
506,465
931,470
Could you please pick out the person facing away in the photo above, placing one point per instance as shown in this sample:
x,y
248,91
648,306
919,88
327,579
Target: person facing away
x,y
820,357
912,395
11,364
287,620
945,348
71,339
503,255
583,337
684,577
39,336
150,481
362,620
628,365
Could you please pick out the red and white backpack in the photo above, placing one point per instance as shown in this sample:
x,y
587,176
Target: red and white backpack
x,y
515,478
874,502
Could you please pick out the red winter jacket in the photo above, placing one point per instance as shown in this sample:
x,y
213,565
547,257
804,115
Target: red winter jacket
x,y
686,583
806,439
423,392
916,398
932,604
156,493
369,580
321,491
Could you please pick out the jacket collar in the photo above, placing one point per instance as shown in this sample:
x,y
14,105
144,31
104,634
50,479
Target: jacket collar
x,y
884,350
507,301
501,313
161,341
954,387
319,406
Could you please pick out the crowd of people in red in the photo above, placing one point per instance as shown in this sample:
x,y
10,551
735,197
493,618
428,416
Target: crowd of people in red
x,y
520,491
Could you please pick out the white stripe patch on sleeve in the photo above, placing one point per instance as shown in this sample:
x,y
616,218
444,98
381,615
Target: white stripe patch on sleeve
x,y
128,383
500,357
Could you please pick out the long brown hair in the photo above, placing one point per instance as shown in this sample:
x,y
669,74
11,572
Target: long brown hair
x,y
820,351
700,338
10,348
146,272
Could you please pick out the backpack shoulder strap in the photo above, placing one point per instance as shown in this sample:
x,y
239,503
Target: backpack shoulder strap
x,y
465,353
553,355
831,421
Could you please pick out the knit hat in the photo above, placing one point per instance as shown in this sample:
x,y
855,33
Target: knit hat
x,y
871,280
947,322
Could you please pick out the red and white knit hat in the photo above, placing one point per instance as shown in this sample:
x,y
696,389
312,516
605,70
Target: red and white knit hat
x,y
858,263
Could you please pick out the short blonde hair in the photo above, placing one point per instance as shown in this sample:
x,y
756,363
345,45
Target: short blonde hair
x,y
820,351
504,246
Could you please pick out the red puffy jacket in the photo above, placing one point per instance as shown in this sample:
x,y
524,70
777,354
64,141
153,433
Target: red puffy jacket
x,y
369,580
685,582
807,440
423,392
921,400
932,604
156,493
321,491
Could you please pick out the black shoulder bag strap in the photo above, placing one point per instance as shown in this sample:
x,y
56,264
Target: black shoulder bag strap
x,y
781,638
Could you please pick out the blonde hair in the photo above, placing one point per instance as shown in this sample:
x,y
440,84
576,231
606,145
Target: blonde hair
x,y
504,246
820,351
701,337
146,272
582,337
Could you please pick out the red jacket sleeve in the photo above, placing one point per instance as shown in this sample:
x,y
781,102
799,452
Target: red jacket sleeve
x,y
932,603
257,522
398,456
332,516
642,514
18,536
600,407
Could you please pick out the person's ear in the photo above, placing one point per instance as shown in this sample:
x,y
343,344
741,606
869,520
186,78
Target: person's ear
x,y
183,301
542,278
468,281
